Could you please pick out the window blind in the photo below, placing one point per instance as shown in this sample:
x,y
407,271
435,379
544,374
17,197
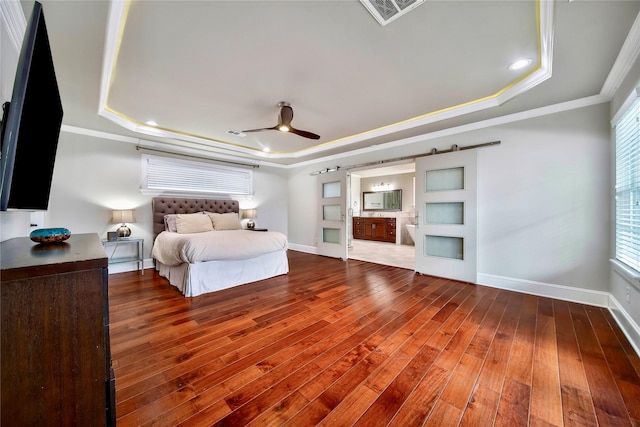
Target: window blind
x,y
627,136
184,176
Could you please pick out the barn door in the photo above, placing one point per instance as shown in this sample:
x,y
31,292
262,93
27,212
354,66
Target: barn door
x,y
446,226
332,218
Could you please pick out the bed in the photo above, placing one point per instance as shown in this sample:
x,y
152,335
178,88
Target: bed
x,y
210,260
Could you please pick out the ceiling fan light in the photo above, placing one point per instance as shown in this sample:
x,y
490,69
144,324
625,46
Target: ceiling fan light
x,y
283,128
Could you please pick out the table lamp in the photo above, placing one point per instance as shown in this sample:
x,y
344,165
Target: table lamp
x,y
250,214
123,216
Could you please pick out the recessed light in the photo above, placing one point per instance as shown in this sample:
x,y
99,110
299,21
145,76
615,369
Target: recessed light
x,y
520,63
151,123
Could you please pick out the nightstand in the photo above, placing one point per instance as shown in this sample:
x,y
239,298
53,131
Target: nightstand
x,y
138,257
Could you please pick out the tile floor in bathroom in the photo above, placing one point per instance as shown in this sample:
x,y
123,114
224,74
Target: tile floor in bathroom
x,y
402,256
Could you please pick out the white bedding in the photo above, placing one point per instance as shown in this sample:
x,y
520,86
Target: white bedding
x,y
211,276
173,249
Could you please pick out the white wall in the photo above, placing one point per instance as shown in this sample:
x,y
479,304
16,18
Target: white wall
x,y
543,199
91,177
356,195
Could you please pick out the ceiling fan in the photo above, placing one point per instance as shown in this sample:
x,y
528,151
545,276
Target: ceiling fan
x,y
284,123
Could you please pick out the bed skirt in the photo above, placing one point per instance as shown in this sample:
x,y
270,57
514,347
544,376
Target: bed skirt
x,y
201,278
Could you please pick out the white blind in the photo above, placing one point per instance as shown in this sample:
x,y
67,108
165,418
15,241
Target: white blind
x,y
184,176
627,135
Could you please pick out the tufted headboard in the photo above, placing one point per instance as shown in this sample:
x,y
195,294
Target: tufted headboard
x,y
160,206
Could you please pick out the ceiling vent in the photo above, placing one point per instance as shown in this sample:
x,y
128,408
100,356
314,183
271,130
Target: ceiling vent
x,y
236,133
386,11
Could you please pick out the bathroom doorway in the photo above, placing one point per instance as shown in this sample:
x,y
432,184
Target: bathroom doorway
x,y
397,247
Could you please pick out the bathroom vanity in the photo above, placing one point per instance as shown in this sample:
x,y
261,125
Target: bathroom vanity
x,y
374,228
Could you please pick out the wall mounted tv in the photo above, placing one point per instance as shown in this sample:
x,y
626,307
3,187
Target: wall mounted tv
x,y
31,123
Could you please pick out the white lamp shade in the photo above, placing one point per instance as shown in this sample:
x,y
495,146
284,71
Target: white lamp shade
x,y
250,213
122,216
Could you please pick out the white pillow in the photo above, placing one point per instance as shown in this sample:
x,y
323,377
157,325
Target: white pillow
x,y
193,223
226,221
170,223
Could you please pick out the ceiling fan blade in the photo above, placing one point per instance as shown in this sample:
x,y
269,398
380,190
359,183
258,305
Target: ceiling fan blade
x,y
284,123
304,133
260,130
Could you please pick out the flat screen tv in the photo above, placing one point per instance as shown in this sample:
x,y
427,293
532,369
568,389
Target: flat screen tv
x,y
31,123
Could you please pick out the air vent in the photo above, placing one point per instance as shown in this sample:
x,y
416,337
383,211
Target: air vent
x,y
236,133
386,11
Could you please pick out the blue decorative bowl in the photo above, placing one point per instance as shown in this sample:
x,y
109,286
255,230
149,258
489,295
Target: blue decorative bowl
x,y
50,235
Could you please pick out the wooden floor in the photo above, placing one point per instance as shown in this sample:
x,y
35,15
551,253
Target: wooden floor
x,y
355,343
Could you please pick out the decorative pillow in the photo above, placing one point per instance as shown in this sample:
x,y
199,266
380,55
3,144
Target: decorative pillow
x,y
226,221
193,223
170,223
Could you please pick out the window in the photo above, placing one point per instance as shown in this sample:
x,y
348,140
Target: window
x,y
627,189
170,175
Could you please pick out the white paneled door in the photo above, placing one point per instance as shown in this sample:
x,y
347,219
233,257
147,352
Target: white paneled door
x,y
332,218
446,226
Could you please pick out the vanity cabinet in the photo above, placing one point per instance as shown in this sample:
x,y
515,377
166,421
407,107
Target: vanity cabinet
x,y
56,361
378,229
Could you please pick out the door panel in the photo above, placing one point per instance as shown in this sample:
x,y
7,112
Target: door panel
x,y
446,226
332,215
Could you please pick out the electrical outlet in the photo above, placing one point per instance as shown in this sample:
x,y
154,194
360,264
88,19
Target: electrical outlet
x,y
628,296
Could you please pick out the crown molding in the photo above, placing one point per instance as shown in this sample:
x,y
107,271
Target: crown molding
x,y
626,58
545,66
14,22
181,148
115,28
177,147
635,94
496,121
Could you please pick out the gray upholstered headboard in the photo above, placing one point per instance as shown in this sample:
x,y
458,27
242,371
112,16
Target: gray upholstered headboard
x,y
160,206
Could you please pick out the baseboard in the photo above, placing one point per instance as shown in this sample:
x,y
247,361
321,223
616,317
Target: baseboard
x,y
303,248
129,266
629,327
561,292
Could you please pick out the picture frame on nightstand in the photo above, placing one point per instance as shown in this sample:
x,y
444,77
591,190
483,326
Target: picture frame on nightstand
x,y
112,236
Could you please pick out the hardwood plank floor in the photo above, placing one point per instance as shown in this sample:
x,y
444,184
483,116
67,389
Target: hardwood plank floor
x,y
345,343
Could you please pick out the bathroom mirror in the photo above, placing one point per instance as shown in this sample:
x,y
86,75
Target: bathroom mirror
x,y
382,200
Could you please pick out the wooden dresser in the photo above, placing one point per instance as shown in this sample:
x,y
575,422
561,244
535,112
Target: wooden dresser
x,y
56,360
374,228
